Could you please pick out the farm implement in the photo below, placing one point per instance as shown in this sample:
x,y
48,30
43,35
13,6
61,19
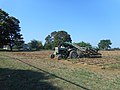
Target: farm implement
x,y
73,51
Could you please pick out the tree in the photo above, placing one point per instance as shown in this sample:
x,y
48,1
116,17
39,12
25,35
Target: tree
x,y
49,42
60,37
104,44
56,38
18,45
35,45
84,44
3,16
9,30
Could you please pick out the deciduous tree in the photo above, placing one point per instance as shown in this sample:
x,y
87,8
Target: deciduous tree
x,y
35,45
9,30
104,44
84,44
56,38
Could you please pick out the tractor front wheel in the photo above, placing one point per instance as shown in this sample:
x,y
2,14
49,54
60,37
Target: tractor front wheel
x,y
52,56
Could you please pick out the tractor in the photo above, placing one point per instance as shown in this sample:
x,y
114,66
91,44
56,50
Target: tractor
x,y
73,51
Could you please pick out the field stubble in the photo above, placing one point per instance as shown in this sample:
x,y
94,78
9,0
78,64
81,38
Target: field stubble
x,y
94,73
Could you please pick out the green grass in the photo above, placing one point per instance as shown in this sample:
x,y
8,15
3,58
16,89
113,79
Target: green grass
x,y
112,66
17,75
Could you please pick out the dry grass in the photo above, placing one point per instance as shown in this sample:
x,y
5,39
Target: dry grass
x,y
92,73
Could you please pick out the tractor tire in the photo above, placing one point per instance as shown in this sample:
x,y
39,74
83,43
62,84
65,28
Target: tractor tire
x,y
65,57
59,57
52,56
73,55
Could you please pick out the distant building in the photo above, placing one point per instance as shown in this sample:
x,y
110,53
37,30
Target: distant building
x,y
6,47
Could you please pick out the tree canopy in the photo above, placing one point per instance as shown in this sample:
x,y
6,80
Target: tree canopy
x,y
84,44
104,44
35,45
9,30
56,38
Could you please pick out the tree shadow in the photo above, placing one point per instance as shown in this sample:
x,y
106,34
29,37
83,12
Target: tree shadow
x,y
25,80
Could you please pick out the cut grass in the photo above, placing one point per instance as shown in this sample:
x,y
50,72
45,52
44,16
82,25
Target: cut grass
x,y
112,66
15,75
62,74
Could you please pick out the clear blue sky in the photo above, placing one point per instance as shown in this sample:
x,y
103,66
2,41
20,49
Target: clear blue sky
x,y
84,20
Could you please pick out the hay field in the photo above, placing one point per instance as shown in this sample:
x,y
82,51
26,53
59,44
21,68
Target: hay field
x,y
35,70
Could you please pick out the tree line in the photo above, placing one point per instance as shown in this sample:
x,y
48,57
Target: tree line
x,y
53,41
10,35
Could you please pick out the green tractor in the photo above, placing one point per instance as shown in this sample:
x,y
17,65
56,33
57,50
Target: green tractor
x,y
73,51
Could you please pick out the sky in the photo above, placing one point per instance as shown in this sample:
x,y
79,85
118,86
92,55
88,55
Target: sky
x,y
85,20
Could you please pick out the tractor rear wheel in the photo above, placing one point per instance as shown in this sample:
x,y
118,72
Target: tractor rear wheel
x,y
73,55
59,57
